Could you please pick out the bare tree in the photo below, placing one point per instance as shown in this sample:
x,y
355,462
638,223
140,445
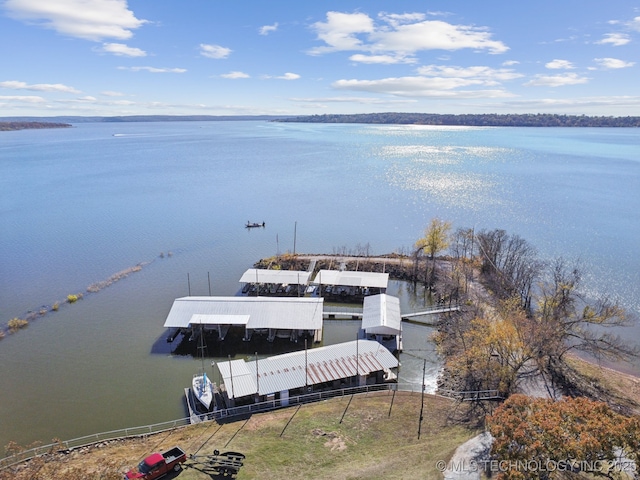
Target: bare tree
x,y
570,322
510,264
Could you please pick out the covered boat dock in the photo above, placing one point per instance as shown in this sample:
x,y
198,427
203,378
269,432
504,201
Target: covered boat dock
x,y
274,282
290,317
382,321
358,362
341,285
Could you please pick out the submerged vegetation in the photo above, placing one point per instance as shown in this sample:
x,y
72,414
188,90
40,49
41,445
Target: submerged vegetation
x,y
16,324
96,287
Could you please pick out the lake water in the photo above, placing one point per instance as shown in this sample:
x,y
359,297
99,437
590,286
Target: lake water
x,y
78,205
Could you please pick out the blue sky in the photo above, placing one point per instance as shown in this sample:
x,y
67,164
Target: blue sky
x,y
241,57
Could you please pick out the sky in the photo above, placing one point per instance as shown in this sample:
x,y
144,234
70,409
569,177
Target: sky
x,y
303,57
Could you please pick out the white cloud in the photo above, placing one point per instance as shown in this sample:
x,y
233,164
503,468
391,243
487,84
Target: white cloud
x,y
38,87
214,51
123,50
635,24
481,74
340,30
381,59
420,87
111,93
87,19
396,19
22,99
154,69
556,80
267,29
612,63
559,65
439,81
581,103
360,100
510,63
435,34
398,35
235,75
289,76
615,39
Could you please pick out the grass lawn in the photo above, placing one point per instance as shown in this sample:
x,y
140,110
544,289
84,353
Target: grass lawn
x,y
313,441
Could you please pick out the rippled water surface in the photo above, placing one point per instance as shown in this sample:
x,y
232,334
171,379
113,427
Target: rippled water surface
x,y
78,205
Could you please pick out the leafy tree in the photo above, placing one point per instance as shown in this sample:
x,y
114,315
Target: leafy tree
x,y
496,350
543,438
435,240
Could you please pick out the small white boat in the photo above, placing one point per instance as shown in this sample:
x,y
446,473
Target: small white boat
x,y
202,389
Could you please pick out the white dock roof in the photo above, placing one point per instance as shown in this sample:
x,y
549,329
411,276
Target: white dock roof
x,y
352,279
381,315
291,313
201,319
292,277
287,371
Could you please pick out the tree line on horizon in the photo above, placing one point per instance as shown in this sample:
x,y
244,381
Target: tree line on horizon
x,y
10,126
475,120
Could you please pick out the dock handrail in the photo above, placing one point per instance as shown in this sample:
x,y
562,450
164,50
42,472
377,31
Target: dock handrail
x,y
472,395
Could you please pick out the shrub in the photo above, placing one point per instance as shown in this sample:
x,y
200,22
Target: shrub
x,y
55,307
73,298
16,324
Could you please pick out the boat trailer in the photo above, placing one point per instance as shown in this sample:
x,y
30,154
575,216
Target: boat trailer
x,y
225,464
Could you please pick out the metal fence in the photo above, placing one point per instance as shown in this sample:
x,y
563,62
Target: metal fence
x,y
229,414
91,440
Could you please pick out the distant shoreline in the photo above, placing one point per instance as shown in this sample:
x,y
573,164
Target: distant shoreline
x,y
385,118
12,126
473,120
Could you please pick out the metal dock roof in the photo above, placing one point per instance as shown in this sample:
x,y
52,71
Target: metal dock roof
x,y
352,279
298,369
381,315
290,313
292,277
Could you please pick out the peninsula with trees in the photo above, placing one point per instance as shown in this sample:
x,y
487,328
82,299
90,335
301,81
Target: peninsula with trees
x,y
11,126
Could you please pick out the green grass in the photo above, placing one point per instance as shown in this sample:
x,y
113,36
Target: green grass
x,y
368,444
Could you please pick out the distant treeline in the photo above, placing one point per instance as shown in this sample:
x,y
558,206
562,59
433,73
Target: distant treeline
x,y
474,120
6,126
144,118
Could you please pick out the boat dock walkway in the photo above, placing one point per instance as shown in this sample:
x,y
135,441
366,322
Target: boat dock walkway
x,y
415,317
355,313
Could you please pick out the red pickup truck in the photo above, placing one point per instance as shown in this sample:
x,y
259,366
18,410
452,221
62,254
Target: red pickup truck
x,y
157,465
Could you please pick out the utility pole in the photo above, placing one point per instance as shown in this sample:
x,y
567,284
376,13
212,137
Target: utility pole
x,y
295,231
